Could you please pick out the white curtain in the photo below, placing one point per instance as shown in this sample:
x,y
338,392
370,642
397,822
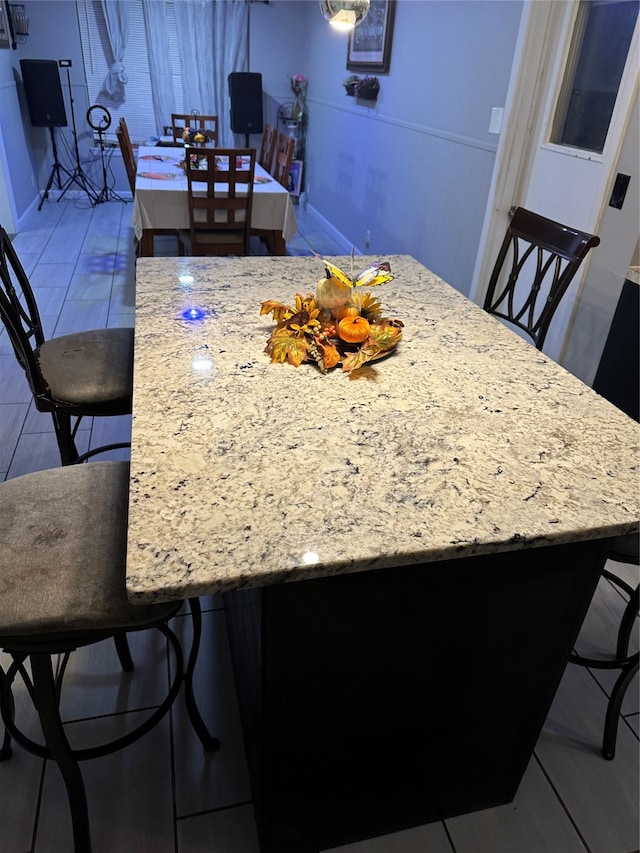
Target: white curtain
x,y
213,35
116,15
158,50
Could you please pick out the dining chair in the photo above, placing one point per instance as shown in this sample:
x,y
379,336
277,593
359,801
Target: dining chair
x,y
220,198
535,265
128,157
63,548
624,549
268,147
284,156
207,124
82,374
131,168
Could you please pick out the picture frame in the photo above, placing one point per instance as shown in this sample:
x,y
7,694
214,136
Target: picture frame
x,y
295,178
369,45
5,39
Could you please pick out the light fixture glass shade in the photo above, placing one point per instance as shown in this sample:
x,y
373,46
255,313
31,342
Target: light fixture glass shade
x,y
345,14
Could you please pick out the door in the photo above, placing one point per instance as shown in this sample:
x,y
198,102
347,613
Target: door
x,y
565,182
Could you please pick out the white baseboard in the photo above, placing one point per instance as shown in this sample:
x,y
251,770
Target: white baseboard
x,y
338,236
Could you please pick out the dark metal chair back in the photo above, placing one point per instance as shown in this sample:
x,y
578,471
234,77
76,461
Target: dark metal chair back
x,y
88,373
535,265
20,315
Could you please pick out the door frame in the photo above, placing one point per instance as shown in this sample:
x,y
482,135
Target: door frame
x,y
541,50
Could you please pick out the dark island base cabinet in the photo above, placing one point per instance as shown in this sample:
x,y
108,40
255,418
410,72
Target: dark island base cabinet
x,y
376,701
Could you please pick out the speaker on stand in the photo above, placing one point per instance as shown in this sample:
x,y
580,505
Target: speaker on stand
x,y
99,119
245,91
43,91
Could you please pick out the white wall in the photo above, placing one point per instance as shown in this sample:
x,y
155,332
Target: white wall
x,y
414,171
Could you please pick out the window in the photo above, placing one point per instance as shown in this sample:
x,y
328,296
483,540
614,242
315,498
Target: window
x,y
137,107
601,40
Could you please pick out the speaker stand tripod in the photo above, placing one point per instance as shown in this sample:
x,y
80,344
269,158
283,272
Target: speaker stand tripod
x,y
99,119
78,176
55,169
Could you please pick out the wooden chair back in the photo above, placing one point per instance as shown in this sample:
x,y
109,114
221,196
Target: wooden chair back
x,y
268,147
535,265
283,159
208,125
124,141
220,194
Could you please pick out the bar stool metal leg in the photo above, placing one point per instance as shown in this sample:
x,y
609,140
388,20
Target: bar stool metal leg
x,y
45,694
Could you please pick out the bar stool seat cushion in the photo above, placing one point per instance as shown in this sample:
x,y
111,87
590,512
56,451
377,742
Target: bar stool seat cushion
x,y
93,368
63,539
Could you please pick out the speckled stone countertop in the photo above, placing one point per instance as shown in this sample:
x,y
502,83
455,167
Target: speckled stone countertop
x,y
465,440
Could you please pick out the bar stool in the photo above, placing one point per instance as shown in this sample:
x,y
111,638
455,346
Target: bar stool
x,y
624,550
63,542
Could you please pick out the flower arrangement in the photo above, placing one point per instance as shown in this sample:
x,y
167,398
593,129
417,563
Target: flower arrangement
x,y
299,85
339,325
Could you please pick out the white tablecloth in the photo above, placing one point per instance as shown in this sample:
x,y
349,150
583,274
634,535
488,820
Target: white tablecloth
x,y
161,202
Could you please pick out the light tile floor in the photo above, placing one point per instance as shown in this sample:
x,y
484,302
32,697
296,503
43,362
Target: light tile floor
x,y
163,795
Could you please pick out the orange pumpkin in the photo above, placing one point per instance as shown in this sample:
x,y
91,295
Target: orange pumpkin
x,y
354,329
345,311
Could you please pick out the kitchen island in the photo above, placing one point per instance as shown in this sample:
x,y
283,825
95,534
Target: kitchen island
x,y
407,552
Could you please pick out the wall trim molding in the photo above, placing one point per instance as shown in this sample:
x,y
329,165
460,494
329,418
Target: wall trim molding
x,y
457,139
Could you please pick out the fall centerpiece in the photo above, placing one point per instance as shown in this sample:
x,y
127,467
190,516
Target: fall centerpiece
x,y
338,325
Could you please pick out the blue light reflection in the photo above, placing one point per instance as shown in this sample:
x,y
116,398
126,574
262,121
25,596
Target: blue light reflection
x,y
194,314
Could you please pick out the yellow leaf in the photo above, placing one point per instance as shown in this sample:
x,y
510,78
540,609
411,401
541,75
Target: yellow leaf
x,y
361,356
283,346
278,309
385,334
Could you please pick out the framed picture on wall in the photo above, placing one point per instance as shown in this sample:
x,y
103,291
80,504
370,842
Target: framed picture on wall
x,y
369,47
4,25
295,177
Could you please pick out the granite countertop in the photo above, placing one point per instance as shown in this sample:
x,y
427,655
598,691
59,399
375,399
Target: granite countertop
x,y
633,274
465,440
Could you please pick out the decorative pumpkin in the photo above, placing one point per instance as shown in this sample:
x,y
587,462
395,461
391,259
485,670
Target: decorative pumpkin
x,y
354,329
345,311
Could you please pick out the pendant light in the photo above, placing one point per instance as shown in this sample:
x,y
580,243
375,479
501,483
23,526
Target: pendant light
x,y
345,14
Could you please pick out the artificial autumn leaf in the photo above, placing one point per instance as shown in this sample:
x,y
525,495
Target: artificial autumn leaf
x,y
331,355
278,309
284,346
367,352
386,334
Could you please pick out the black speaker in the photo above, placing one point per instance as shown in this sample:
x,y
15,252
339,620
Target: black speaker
x,y
44,93
245,90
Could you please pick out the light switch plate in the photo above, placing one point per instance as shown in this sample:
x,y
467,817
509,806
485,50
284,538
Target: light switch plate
x,y
496,119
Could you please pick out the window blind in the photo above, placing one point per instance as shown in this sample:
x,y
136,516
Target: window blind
x,y
137,107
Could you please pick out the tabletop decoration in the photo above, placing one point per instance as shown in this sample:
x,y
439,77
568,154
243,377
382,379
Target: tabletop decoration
x,y
337,325
197,137
159,176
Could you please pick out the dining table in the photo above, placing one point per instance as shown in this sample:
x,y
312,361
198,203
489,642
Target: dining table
x,y
160,200
406,551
